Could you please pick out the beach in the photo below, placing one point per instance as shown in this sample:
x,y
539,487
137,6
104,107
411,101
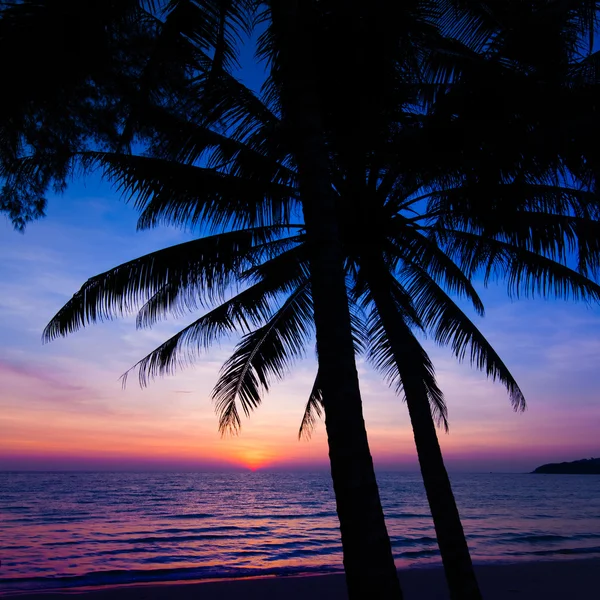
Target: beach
x,y
550,580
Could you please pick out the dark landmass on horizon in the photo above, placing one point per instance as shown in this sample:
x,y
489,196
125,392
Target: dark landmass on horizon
x,y
585,466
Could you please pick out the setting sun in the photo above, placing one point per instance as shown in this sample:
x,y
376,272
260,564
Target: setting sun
x,y
254,459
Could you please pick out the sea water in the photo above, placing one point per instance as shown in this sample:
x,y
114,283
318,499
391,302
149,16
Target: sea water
x,y
74,529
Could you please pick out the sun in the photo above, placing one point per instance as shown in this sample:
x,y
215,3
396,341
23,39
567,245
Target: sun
x,y
254,459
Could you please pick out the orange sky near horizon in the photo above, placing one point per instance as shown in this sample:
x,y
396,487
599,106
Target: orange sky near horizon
x,y
171,425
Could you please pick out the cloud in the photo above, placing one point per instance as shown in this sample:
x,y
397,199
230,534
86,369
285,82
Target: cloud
x,y
38,376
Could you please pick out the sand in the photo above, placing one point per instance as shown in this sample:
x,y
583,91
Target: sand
x,y
565,580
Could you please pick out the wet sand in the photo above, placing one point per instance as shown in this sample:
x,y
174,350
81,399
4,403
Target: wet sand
x,y
572,580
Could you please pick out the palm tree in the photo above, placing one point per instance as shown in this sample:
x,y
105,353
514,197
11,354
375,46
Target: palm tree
x,y
310,152
276,268
504,44
421,248
367,551
368,561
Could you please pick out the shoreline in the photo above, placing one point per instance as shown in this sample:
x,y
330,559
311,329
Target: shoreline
x,y
552,580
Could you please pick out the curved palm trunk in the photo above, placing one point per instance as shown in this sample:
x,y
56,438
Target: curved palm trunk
x,y
368,560
458,566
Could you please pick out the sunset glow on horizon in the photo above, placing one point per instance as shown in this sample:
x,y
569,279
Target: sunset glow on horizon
x,y
62,405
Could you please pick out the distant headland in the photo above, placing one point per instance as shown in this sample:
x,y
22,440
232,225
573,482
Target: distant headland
x,y
585,466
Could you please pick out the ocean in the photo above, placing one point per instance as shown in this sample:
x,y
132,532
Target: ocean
x,y
79,529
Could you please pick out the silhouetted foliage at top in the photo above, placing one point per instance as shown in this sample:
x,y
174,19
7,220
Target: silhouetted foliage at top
x,y
80,76
423,152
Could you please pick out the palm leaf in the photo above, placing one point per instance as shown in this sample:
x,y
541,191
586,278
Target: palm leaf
x,y
413,246
186,195
452,327
177,137
177,297
261,354
524,271
246,310
189,275
314,410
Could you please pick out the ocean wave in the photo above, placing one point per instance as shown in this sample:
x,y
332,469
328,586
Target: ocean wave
x,y
408,515
116,577
419,553
287,516
405,541
189,516
559,551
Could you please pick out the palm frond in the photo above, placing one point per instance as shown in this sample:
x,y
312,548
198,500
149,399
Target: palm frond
x,y
185,195
312,412
214,25
177,297
485,204
187,275
559,237
525,272
450,326
178,138
248,309
471,23
262,354
413,246
223,101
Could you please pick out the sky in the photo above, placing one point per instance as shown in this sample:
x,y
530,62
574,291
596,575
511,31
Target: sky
x,y
62,406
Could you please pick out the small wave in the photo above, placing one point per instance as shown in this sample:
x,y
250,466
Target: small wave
x,y
593,550
539,539
156,539
211,528
401,542
543,538
185,535
101,578
36,520
189,516
419,554
408,515
303,552
284,516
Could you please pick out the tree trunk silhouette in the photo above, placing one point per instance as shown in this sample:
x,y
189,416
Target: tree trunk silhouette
x,y
368,560
454,550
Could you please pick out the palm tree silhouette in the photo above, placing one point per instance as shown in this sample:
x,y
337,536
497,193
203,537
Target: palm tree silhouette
x,y
469,232
367,550
406,291
400,261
